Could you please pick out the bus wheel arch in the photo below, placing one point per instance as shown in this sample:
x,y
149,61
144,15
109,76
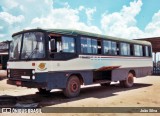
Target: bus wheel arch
x,y
133,72
79,77
72,88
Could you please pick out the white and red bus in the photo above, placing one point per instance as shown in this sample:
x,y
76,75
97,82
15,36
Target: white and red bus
x,y
66,59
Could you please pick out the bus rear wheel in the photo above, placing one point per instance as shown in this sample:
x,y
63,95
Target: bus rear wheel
x,y
43,91
128,82
73,87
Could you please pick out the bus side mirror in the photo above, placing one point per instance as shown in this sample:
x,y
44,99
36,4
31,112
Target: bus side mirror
x,y
52,44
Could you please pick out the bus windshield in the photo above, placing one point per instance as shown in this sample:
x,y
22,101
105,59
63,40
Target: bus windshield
x,y
31,48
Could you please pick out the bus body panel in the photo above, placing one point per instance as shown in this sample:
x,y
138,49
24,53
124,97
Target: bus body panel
x,y
122,73
54,80
92,62
56,73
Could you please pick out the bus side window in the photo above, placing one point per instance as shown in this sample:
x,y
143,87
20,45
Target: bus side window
x,y
125,49
138,50
146,50
89,45
109,47
68,44
94,46
86,45
106,47
114,48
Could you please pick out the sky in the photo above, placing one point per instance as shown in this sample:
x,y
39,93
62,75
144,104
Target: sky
x,y
128,19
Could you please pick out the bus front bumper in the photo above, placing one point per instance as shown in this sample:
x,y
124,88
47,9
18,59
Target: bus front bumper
x,y
28,84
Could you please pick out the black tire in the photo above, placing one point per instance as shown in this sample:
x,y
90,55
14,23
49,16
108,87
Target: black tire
x,y
105,84
43,91
128,82
73,87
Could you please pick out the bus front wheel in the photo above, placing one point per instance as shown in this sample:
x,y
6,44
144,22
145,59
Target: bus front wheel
x,y
73,87
128,82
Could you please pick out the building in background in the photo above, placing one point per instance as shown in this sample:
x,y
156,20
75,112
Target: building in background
x,y
155,41
4,55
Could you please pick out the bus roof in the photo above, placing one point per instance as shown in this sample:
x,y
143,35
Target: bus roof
x,y
78,32
74,32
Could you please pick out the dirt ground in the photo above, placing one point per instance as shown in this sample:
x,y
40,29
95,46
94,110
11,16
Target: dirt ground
x,y
145,93
3,74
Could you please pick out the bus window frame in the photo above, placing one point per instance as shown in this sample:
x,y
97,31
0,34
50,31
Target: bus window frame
x,y
91,45
142,50
73,47
111,47
62,35
45,45
127,50
77,46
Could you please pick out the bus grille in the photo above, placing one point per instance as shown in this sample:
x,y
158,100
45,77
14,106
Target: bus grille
x,y
17,73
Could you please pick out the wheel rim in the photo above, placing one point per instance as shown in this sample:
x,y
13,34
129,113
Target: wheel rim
x,y
74,87
130,79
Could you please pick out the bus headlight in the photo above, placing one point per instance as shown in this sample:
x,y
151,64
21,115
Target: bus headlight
x,y
9,75
33,77
33,72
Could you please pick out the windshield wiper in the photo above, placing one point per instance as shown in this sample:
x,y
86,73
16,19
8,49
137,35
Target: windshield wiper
x,y
35,49
31,54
